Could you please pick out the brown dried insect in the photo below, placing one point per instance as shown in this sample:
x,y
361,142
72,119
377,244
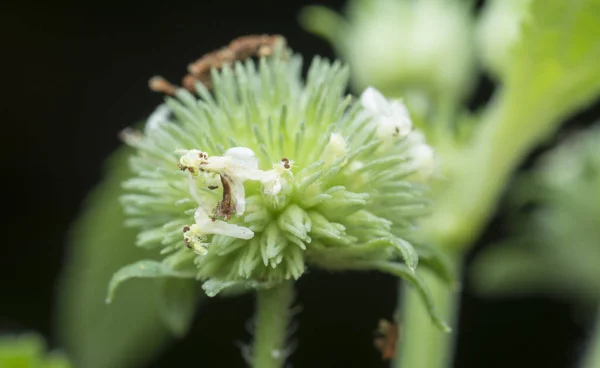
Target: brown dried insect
x,y
239,49
386,337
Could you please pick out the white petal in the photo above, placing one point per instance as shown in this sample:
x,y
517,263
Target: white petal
x,y
201,217
272,187
387,128
250,174
424,159
404,126
218,227
399,109
373,101
217,164
416,138
271,181
243,156
238,194
223,228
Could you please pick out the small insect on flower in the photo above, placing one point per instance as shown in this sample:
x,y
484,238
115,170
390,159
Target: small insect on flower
x,y
239,49
386,337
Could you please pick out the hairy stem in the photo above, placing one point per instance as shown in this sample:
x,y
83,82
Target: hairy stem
x,y
271,325
421,343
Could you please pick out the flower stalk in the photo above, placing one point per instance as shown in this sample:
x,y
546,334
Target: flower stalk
x,y
272,319
421,343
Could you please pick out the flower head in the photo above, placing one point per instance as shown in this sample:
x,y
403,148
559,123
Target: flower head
x,y
264,175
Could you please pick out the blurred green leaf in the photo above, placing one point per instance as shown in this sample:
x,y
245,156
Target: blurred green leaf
x,y
177,303
28,351
57,361
323,22
554,65
510,269
144,269
130,331
556,245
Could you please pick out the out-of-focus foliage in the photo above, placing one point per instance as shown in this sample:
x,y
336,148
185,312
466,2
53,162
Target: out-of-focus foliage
x,y
29,351
498,27
554,68
551,74
129,331
544,54
557,248
419,50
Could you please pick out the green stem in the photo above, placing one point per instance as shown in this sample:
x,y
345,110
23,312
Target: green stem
x,y
463,207
271,325
592,358
464,204
421,343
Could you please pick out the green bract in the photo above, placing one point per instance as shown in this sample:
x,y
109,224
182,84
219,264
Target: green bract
x,y
265,174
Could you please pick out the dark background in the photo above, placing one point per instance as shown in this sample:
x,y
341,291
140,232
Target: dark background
x,y
76,74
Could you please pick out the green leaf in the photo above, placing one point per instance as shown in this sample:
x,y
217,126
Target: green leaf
x,y
144,269
509,269
56,360
555,63
177,303
129,331
28,351
24,351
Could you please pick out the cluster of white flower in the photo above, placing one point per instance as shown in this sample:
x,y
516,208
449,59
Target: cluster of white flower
x,y
236,166
393,123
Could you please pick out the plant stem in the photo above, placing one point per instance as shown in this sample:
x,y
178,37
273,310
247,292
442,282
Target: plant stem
x,y
421,343
271,325
466,201
462,209
592,358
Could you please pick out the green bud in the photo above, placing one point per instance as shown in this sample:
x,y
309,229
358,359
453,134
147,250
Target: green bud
x,y
411,48
497,29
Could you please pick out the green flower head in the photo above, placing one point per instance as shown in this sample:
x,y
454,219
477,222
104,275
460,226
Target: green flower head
x,y
262,175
